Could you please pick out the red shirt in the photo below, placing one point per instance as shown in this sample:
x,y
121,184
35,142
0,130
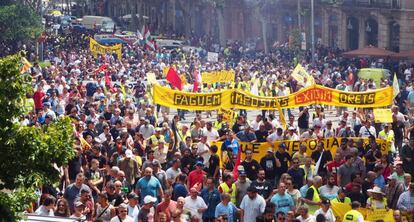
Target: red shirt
x,y
196,178
167,208
38,97
333,168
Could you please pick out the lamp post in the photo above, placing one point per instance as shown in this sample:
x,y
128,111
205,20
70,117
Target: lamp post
x,y
313,30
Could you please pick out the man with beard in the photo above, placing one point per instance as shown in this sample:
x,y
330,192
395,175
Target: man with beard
x,y
330,190
271,165
148,185
264,188
252,205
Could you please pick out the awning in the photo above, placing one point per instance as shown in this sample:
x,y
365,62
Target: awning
x,y
369,51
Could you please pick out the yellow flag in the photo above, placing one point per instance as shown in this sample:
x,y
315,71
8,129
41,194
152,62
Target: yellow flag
x,y
26,65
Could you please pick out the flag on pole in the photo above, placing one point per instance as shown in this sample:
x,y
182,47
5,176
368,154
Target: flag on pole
x,y
395,86
255,88
149,43
26,65
236,166
318,164
197,80
174,79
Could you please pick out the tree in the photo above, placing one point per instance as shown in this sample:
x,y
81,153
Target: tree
x,y
219,7
18,23
28,155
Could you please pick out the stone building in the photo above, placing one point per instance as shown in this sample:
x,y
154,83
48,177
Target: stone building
x,y
347,24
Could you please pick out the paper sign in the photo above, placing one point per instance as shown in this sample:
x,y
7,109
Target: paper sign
x,y
212,57
383,115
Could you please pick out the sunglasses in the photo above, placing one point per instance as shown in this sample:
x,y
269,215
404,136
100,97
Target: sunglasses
x,y
122,211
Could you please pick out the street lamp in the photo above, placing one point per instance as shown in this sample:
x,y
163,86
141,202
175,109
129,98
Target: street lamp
x,y
313,30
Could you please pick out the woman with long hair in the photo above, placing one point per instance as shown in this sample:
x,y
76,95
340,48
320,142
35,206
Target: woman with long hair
x,y
62,208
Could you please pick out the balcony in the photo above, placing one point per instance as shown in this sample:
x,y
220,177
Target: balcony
x,y
383,4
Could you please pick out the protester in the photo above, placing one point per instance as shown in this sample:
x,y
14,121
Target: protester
x,y
142,161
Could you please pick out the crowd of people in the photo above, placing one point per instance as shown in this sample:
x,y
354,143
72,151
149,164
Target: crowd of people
x,y
138,161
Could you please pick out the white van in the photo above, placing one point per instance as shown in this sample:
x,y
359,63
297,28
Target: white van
x,y
105,24
168,43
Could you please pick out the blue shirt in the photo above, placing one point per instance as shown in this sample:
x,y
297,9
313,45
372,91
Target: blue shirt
x,y
211,199
410,96
380,182
234,145
148,187
179,191
228,210
246,137
283,203
303,190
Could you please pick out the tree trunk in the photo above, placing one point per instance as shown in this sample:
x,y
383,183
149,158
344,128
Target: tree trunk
x,y
264,32
134,20
220,20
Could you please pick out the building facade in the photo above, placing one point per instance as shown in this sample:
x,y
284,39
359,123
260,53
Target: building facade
x,y
347,24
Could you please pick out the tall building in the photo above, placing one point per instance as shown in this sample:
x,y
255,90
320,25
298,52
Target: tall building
x,y
347,24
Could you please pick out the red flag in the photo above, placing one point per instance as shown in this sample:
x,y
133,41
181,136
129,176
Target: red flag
x,y
197,80
101,68
236,166
174,79
108,82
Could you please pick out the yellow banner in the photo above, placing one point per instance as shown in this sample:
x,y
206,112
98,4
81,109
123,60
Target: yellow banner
x,y
228,115
303,77
379,214
259,149
98,49
340,209
237,99
189,101
383,115
218,76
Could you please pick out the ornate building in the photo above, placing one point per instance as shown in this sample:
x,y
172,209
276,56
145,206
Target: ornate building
x,y
347,24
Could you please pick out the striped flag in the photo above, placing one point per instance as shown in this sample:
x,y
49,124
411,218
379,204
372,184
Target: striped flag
x,y
148,41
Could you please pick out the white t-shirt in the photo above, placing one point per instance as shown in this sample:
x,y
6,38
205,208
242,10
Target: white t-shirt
x,y
202,148
309,219
211,135
330,217
127,219
133,212
172,174
255,125
252,208
194,204
365,132
274,137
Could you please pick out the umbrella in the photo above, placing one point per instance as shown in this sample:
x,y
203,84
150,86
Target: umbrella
x,y
369,51
56,13
405,54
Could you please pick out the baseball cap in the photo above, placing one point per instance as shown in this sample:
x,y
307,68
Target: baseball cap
x,y
270,150
199,163
252,189
132,196
282,145
156,162
326,201
149,199
128,154
79,204
393,177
